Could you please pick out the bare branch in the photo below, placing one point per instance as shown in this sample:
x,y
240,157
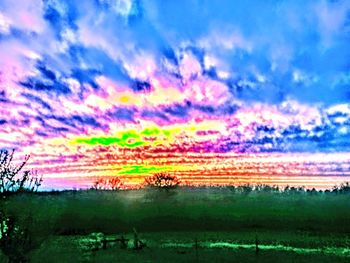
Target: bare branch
x,y
108,184
10,179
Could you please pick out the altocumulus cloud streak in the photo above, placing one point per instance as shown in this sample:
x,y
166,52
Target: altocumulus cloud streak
x,y
213,91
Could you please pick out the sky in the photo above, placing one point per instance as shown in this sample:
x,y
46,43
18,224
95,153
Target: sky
x,y
212,91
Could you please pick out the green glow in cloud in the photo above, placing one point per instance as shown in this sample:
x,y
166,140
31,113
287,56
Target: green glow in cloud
x,y
143,169
130,138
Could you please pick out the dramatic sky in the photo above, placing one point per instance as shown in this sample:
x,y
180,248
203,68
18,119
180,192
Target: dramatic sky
x,y
212,91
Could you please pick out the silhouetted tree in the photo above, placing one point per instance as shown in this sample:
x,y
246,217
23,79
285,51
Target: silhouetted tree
x,y
343,188
11,179
312,191
294,190
108,184
244,189
162,181
16,234
266,188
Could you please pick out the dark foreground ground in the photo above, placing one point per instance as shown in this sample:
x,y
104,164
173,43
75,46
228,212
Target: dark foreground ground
x,y
186,225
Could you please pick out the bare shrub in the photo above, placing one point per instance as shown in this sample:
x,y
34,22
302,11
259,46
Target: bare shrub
x,y
108,184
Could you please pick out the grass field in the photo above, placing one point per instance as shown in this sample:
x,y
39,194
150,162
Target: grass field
x,y
295,226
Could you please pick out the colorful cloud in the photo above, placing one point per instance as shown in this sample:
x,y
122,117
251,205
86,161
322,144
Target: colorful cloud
x,y
127,88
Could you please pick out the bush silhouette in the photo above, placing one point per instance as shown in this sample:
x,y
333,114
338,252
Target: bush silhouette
x,y
162,181
17,237
343,188
11,180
